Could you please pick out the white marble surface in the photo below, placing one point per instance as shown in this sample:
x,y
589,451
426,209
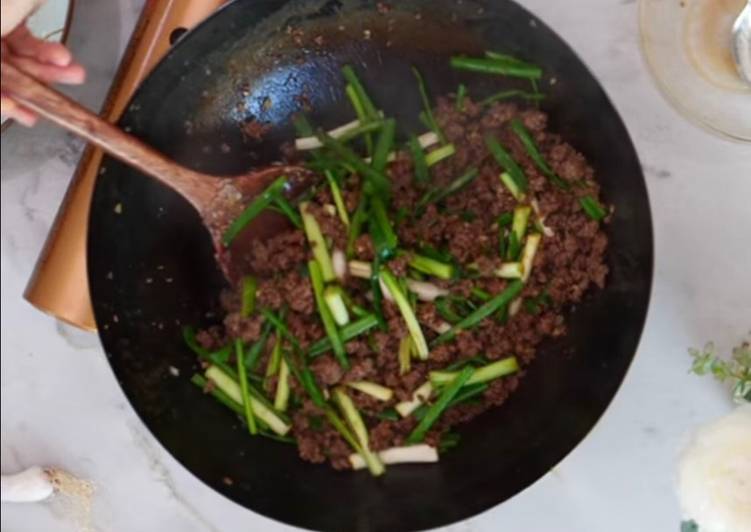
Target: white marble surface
x,y
61,404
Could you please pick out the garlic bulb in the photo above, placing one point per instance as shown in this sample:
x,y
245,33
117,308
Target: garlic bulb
x,y
714,476
32,485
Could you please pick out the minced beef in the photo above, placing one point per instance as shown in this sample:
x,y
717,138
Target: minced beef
x,y
569,262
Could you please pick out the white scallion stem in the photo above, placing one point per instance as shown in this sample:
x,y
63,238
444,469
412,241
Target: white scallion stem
x,y
419,397
30,485
372,389
339,261
312,143
411,454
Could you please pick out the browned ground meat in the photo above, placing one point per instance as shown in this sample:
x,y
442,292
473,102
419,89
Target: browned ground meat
x,y
569,262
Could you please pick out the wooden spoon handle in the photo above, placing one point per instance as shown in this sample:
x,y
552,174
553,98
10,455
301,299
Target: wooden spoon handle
x,y
197,188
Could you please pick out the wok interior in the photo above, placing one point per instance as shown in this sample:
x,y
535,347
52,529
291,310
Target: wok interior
x,y
152,270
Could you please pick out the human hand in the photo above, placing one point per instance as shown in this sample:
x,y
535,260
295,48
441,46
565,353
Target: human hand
x,y
47,61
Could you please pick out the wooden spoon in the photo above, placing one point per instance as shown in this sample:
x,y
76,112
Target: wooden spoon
x,y
217,199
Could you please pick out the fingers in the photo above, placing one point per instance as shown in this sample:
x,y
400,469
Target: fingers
x,y
11,109
73,74
22,43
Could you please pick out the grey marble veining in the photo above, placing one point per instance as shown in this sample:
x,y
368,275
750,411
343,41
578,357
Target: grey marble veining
x,y
61,404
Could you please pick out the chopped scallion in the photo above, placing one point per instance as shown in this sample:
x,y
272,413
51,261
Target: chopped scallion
x,y
593,208
505,67
256,207
437,408
249,296
316,279
485,373
494,304
317,243
504,158
439,154
431,266
413,326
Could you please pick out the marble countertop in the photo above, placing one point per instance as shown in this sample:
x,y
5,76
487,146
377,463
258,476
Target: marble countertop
x,y
61,404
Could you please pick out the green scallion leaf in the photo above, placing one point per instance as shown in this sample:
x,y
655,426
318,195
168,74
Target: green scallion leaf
x,y
437,408
256,207
593,208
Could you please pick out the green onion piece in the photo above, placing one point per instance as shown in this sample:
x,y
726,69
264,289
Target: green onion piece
x,y
383,145
504,158
513,93
305,377
514,247
351,415
497,66
336,193
348,332
389,414
593,208
218,358
243,377
419,165
317,243
371,459
528,255
435,411
202,382
428,108
280,326
384,237
316,280
256,207
356,103
361,214
468,392
486,373
360,112
372,389
445,309
281,398
461,93
255,351
490,54
365,127
375,288
495,303
505,219
405,359
534,153
369,109
249,296
510,270
272,368
520,221
480,294
342,428
353,418
419,396
431,266
377,179
288,210
334,300
413,326
512,187
457,184
439,154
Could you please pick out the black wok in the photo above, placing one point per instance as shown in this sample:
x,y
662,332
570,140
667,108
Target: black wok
x,y
151,268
